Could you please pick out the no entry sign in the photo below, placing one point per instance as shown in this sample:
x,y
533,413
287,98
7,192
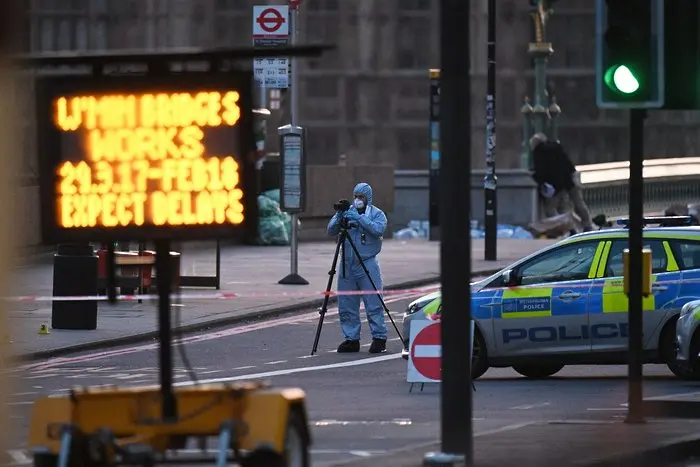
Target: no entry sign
x,y
425,350
270,21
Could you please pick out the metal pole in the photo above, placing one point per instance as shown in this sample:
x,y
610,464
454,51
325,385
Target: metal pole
x,y
490,179
455,245
294,109
636,192
164,272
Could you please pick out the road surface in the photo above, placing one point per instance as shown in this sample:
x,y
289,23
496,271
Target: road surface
x,y
359,404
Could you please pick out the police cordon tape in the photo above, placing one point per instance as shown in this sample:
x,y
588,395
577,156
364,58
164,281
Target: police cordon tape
x,y
599,283
218,296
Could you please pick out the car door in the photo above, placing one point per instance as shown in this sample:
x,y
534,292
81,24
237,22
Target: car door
x,y
687,253
546,312
608,306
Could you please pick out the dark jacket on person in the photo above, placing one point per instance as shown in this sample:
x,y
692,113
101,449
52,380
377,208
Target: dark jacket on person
x,y
552,165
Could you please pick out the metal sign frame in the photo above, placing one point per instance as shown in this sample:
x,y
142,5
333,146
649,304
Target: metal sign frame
x,y
50,152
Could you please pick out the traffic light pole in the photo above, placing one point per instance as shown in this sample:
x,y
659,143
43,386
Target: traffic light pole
x,y
455,245
490,179
635,412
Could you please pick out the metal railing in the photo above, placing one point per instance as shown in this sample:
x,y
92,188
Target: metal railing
x,y
666,182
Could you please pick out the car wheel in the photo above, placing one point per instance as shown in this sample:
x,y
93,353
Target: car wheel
x,y
296,449
43,459
538,371
480,362
687,371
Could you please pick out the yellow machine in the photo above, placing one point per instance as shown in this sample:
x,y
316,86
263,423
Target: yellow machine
x,y
249,423
255,425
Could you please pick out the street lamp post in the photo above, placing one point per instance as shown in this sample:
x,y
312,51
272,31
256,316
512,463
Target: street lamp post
x,y
540,116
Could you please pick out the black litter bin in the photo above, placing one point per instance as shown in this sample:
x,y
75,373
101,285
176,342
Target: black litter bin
x,y
74,274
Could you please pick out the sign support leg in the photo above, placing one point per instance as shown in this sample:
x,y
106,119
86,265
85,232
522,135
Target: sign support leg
x,y
218,264
636,242
164,274
294,278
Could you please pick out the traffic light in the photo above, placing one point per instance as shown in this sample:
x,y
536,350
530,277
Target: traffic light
x,y
682,54
630,54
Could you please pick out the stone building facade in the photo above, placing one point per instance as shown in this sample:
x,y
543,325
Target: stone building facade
x,y
368,99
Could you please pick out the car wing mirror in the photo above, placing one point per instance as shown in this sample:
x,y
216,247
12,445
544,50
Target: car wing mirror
x,y
509,278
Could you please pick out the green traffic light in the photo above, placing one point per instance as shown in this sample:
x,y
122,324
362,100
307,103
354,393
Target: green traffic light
x,y
620,78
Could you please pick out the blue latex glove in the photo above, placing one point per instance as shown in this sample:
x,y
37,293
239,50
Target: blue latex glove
x,y
352,216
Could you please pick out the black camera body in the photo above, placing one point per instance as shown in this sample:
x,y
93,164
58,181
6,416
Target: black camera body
x,y
342,205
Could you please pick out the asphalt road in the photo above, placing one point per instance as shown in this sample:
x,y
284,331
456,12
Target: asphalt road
x,y
359,404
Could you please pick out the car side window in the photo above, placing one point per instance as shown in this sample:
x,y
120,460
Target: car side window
x,y
615,264
687,253
567,263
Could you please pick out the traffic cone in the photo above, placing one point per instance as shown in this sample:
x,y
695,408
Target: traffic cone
x,y
44,329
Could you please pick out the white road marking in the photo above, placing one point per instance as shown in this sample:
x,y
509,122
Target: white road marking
x,y
19,394
672,396
396,421
363,453
358,453
276,362
19,457
530,406
513,427
291,371
606,409
243,367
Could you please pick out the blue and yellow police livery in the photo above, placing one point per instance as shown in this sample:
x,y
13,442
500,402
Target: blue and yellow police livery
x,y
565,304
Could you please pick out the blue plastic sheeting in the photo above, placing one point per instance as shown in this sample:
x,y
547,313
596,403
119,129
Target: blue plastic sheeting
x,y
274,226
419,229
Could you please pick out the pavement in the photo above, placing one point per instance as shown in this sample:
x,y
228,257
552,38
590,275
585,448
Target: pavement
x,y
360,407
250,272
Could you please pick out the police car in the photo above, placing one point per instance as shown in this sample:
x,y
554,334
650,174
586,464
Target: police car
x,y
565,305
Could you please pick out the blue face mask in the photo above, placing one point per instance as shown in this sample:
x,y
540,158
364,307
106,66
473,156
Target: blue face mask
x,y
359,204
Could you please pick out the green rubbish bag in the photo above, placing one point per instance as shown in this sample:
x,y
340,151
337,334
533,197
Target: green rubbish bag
x,y
273,195
268,207
273,231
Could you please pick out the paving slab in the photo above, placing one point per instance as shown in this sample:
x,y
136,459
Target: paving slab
x,y
250,272
567,442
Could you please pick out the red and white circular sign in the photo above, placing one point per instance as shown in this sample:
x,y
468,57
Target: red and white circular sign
x,y
270,20
426,352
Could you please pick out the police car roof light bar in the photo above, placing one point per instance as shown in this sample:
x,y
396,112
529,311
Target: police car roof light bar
x,y
668,221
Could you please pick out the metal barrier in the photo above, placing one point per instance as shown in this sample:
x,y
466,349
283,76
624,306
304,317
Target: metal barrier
x,y
135,275
205,281
666,182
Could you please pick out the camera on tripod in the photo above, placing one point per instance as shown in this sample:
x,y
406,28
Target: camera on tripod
x,y
342,205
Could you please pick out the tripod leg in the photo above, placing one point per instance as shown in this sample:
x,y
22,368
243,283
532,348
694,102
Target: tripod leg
x,y
374,286
324,307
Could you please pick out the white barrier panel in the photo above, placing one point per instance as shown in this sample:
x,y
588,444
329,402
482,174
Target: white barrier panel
x,y
425,351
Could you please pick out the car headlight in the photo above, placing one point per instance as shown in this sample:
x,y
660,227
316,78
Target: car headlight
x,y
417,306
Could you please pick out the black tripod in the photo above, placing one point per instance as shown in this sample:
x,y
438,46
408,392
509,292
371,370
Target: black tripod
x,y
344,227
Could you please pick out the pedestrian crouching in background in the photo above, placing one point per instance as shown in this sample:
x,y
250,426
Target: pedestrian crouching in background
x,y
556,177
